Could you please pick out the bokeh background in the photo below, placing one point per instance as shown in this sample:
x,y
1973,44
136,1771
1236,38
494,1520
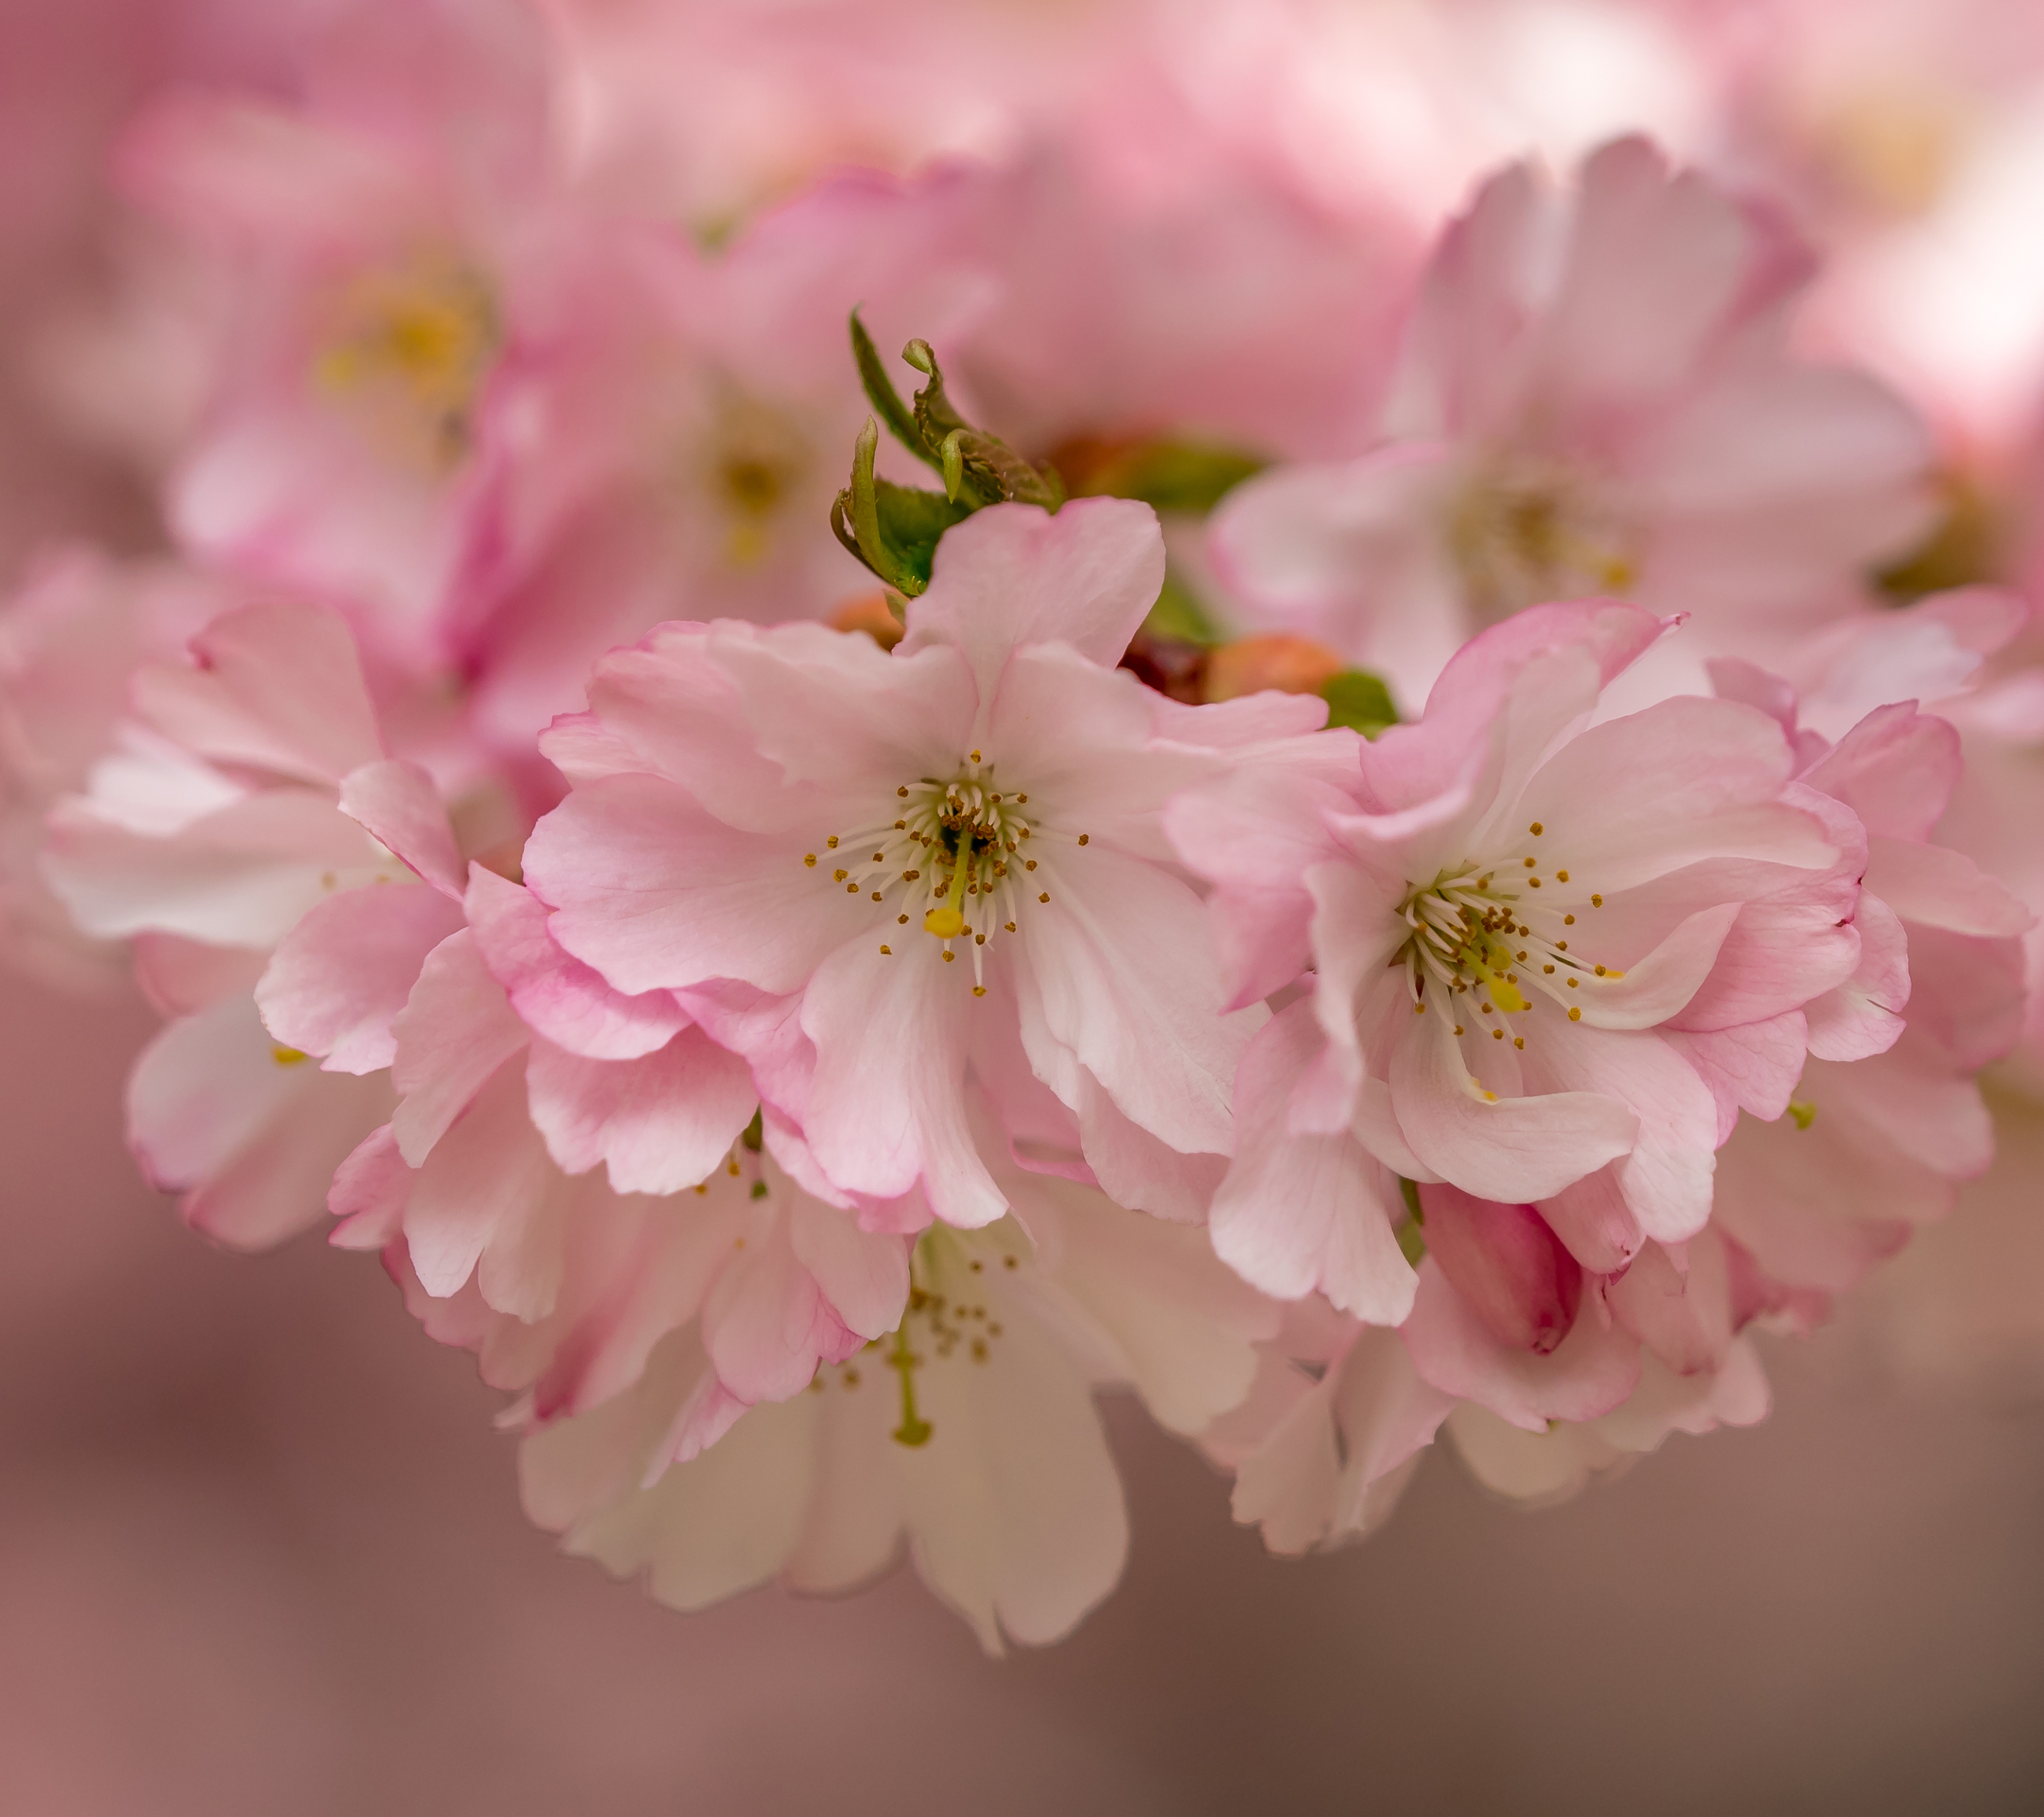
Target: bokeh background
x,y
261,1553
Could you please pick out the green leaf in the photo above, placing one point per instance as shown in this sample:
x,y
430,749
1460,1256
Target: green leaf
x,y
884,399
1360,699
1191,477
1179,616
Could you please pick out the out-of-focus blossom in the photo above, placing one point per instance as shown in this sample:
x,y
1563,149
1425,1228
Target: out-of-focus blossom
x,y
1595,398
387,234
812,833
230,822
69,639
969,1432
677,442
1533,941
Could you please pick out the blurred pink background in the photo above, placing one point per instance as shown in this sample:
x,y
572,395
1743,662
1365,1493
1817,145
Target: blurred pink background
x,y
260,1553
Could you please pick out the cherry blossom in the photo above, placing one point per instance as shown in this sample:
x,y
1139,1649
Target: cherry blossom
x,y
968,1431
1520,928
1595,398
881,874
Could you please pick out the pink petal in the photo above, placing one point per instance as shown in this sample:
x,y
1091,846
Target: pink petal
x,y
340,977
1591,1370
275,687
654,893
1301,1213
887,1106
1013,575
556,996
1122,967
1510,1271
1515,1149
659,1123
399,802
454,1032
1940,888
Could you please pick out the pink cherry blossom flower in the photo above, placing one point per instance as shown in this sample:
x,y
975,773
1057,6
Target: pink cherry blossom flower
x,y
1886,1118
887,874
1320,1458
1521,928
69,640
683,431
1595,398
229,832
968,1431
383,233
517,1069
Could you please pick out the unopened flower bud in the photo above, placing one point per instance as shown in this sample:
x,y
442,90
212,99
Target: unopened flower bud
x,y
1274,659
1510,1269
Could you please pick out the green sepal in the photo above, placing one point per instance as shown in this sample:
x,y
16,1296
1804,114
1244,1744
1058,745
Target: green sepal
x,y
988,469
911,521
880,393
892,530
1359,700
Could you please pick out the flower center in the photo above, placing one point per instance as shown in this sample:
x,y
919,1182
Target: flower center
x,y
1477,935
410,349
1520,539
960,857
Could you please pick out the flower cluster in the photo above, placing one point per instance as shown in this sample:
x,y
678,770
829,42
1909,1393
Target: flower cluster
x,y
1384,844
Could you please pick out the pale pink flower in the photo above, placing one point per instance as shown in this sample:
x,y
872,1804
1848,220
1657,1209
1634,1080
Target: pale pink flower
x,y
1595,398
1522,930
1622,1360
69,639
248,817
881,874
1161,273
386,234
969,1431
683,431
1886,1119
530,1191
517,1069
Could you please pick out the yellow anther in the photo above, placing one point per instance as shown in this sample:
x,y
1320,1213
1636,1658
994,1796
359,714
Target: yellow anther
x,y
1804,1114
810,860
287,1056
888,951
1575,1015
1596,901
1536,829
1561,877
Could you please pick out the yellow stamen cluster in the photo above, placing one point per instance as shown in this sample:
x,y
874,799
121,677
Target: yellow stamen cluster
x,y
1522,536
1471,935
960,856
411,346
